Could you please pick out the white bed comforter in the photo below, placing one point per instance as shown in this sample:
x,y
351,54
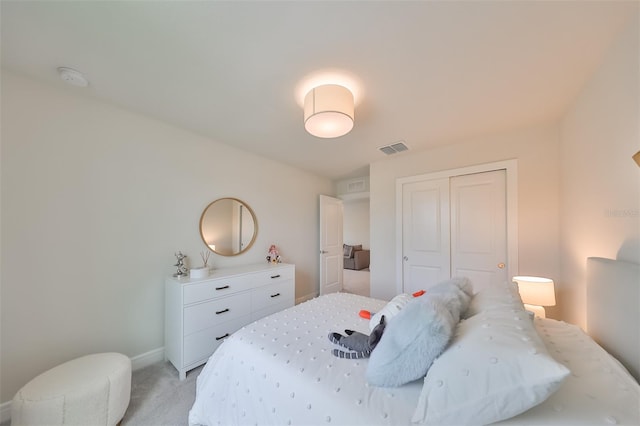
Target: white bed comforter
x,y
280,370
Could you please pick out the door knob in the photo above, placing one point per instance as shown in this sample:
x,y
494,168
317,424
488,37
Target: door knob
x,y
323,252
405,258
501,265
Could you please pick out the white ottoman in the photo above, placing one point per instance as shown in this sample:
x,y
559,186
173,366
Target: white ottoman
x,y
91,390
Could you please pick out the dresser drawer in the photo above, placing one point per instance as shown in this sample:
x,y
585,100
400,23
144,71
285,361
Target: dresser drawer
x,y
210,289
199,346
272,309
272,294
208,314
273,276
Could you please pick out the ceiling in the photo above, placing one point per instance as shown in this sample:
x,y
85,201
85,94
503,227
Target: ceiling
x,y
427,73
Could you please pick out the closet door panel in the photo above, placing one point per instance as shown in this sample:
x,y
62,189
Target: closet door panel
x,y
425,234
478,228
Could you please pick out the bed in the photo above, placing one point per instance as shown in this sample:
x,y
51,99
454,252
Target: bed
x,y
500,367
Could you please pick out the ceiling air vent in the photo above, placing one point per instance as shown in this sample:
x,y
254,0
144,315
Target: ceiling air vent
x,y
394,148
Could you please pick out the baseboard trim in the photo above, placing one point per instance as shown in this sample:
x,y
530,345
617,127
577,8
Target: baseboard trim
x,y
137,362
305,298
147,358
5,411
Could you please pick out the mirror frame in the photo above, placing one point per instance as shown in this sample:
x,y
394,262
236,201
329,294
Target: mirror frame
x,y
253,217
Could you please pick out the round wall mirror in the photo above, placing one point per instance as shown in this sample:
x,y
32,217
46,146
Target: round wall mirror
x,y
228,227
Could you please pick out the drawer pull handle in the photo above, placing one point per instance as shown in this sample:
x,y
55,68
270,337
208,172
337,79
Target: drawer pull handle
x,y
222,288
222,311
222,337
275,276
275,295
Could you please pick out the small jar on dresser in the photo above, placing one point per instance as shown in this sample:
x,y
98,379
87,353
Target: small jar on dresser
x,y
200,313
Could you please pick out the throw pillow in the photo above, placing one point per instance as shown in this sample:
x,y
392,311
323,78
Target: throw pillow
x,y
495,368
502,296
410,343
419,332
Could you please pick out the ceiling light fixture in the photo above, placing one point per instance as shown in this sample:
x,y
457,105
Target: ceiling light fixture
x,y
328,111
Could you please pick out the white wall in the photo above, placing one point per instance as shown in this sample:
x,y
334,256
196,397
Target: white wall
x,y
577,172
356,222
600,182
96,200
537,152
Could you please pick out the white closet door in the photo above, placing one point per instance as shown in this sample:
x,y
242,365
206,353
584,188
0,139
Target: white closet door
x,y
454,226
478,228
425,234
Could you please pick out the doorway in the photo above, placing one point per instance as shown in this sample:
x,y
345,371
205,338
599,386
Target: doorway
x,y
356,233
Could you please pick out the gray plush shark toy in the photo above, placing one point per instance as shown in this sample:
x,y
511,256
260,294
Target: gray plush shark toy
x,y
359,345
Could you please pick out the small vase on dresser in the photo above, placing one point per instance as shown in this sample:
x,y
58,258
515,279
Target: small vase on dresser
x,y
201,312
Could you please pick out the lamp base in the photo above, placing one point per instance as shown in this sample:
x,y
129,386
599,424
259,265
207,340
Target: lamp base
x,y
537,310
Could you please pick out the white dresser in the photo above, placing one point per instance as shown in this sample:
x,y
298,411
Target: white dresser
x,y
201,313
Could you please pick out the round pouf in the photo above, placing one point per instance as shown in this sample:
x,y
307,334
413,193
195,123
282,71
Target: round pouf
x,y
91,390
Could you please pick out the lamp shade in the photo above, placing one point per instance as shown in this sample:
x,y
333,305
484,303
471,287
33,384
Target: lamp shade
x,y
328,111
536,291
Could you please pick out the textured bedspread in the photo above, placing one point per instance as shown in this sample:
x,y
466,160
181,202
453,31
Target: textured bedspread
x,y
280,370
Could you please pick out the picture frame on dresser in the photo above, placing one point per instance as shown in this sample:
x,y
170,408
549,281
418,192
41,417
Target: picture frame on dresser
x,y
200,313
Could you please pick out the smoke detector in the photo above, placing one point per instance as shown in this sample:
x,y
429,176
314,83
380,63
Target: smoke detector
x,y
72,76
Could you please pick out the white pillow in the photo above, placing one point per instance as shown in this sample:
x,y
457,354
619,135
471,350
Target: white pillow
x,y
418,334
457,290
496,367
455,293
495,297
410,343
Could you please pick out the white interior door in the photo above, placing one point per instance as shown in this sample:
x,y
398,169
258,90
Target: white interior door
x,y
478,228
425,233
331,259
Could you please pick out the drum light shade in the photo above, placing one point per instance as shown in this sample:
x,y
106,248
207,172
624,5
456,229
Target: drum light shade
x,y
328,111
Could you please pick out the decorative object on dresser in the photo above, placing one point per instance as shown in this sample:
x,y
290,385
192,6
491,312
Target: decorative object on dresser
x,y
536,293
182,268
203,271
273,256
201,313
228,227
355,257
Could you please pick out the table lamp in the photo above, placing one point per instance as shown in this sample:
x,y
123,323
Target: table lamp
x,y
536,293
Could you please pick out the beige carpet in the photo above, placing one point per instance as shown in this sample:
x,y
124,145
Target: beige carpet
x,y
356,282
159,398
